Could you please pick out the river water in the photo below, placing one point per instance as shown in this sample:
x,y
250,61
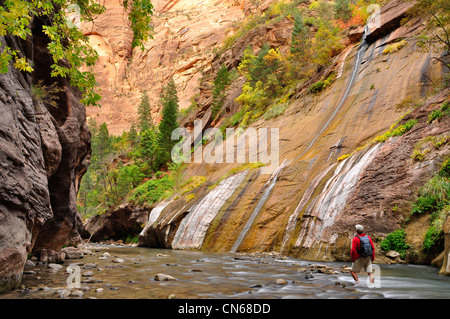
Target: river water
x,y
202,275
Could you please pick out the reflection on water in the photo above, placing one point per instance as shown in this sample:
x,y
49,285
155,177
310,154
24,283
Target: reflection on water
x,y
224,275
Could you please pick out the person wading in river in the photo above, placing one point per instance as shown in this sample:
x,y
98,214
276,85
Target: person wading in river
x,y
362,254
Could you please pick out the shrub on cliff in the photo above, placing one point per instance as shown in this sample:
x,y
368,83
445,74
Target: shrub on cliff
x,y
395,241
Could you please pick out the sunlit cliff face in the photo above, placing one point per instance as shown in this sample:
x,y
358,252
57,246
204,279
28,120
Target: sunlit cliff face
x,y
186,34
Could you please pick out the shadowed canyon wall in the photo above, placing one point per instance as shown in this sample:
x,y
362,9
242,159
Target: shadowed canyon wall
x,y
45,150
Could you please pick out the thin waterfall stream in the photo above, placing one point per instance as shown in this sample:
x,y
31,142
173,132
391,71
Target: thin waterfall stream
x,y
361,50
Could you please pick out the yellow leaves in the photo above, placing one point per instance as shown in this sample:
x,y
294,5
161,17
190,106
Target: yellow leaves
x,y
22,65
395,47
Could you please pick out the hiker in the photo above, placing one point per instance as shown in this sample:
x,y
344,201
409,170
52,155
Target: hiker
x,y
362,254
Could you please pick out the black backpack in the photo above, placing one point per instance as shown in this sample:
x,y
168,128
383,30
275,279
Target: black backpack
x,y
365,248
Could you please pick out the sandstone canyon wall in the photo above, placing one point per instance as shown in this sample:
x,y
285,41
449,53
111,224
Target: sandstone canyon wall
x,y
186,35
309,208
45,150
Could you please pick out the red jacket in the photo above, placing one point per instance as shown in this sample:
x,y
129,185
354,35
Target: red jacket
x,y
356,245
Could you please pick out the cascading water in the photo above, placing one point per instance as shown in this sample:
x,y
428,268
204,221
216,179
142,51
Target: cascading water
x,y
258,207
361,50
332,201
193,227
292,220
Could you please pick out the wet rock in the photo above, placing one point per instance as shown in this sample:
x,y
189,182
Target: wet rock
x,y
88,274
29,272
118,260
281,281
29,263
393,254
76,294
51,256
89,280
72,253
309,276
63,293
99,290
55,267
163,277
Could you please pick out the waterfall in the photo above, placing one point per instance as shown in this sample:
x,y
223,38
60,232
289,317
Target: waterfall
x,y
361,50
271,183
321,213
192,229
306,197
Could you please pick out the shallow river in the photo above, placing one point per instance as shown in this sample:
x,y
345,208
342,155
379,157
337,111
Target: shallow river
x,y
202,275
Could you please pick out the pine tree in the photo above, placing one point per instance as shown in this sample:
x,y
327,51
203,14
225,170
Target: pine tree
x,y
144,113
342,10
300,38
102,142
169,122
221,81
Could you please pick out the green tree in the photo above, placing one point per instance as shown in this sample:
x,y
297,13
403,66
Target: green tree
x,y
101,143
437,36
220,83
68,46
299,38
144,113
168,124
326,44
132,134
342,10
148,148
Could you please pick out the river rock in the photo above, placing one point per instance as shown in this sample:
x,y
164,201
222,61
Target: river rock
x,y
72,253
281,281
63,293
393,254
88,274
163,277
118,260
76,294
55,267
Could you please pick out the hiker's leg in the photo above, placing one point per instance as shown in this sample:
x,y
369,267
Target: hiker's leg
x,y
355,276
372,278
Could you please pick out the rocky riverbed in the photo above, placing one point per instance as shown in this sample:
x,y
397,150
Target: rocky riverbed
x,y
124,271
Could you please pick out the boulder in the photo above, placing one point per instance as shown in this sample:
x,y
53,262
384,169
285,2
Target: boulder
x,y
163,277
123,222
393,254
72,253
